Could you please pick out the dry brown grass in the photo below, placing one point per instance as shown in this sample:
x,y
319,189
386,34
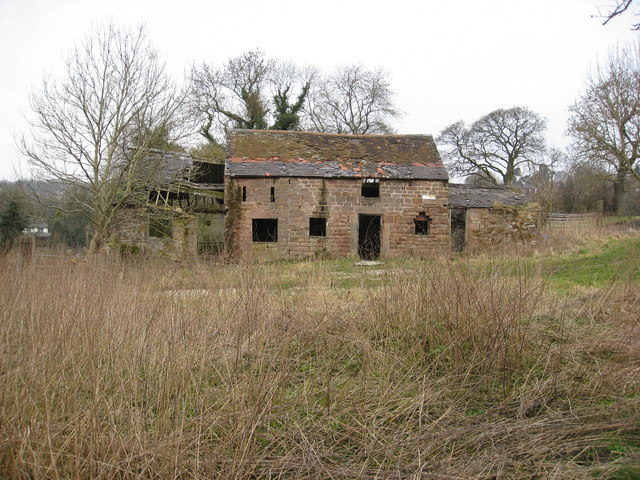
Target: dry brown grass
x,y
444,370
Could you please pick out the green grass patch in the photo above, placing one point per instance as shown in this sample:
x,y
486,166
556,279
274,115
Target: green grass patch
x,y
617,259
626,473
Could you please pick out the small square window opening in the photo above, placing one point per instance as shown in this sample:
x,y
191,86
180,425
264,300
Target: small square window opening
x,y
264,229
160,227
422,224
317,227
370,187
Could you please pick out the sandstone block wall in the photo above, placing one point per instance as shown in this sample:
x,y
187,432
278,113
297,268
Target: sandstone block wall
x,y
132,230
489,226
340,202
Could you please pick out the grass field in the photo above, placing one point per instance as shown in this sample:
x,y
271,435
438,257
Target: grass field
x,y
510,365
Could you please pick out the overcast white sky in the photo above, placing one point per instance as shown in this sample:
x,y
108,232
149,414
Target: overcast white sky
x,y
448,59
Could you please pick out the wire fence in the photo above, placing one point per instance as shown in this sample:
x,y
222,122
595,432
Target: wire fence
x,y
572,220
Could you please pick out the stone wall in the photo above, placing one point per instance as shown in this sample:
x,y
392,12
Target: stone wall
x,y
132,235
340,202
491,226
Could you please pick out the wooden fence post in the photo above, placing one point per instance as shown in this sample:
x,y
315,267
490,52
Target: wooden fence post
x,y
599,211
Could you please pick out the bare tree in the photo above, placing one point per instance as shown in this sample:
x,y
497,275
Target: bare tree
x,y
582,187
613,11
605,121
497,147
542,181
205,97
352,100
249,91
252,91
93,128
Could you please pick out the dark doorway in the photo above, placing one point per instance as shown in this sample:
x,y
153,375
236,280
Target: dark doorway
x,y
458,229
369,236
210,233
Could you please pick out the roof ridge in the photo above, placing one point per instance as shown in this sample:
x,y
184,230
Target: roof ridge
x,y
331,134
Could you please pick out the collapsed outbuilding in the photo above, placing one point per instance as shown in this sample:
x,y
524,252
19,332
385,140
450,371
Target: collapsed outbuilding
x,y
482,216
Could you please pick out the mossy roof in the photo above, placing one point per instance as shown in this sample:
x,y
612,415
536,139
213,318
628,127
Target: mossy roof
x,y
260,153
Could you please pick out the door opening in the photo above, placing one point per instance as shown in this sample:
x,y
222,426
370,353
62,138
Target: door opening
x,y
210,233
458,229
369,227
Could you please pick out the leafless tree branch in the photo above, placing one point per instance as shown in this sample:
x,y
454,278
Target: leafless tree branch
x,y
613,11
498,146
352,100
92,128
605,121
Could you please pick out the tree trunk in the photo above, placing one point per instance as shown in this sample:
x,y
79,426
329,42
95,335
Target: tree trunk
x,y
618,190
101,235
507,178
95,246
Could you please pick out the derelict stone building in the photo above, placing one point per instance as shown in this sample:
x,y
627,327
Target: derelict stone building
x,y
300,194
287,194
184,214
481,216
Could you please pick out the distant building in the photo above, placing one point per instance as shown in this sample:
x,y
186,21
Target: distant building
x,y
39,231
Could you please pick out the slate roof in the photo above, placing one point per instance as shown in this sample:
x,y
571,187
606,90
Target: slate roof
x,y
239,167
162,168
471,196
267,153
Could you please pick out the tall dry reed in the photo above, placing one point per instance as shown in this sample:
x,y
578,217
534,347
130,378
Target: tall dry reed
x,y
442,369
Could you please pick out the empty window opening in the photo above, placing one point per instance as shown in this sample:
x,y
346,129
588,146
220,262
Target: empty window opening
x,y
244,194
207,173
160,227
264,229
317,227
371,187
422,223
273,194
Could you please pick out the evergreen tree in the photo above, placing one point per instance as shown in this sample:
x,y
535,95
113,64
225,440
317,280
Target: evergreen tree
x,y
286,115
12,223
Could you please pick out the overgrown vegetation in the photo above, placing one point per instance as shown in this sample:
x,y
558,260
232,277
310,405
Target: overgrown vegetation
x,y
12,222
461,367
